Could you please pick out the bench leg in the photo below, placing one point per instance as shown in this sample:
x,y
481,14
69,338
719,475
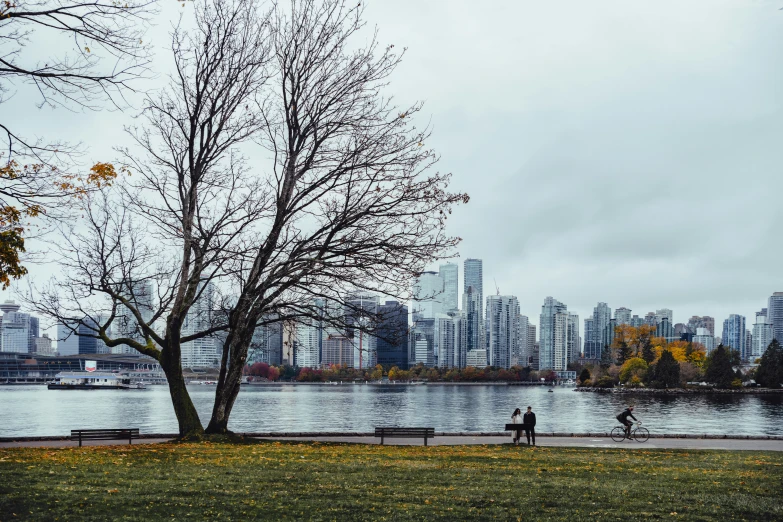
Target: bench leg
x,y
130,439
80,440
425,441
381,440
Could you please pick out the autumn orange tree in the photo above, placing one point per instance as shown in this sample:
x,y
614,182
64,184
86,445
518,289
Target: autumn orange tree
x,y
631,341
94,53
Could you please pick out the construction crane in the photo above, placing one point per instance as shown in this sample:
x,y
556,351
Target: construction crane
x,y
496,286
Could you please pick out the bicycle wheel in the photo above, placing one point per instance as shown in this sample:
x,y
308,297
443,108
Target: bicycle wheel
x,y
641,434
618,434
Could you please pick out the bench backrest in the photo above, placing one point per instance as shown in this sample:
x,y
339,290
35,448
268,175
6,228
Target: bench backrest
x,y
122,433
404,432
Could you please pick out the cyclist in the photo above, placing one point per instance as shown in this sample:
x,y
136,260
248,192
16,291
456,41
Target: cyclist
x,y
623,418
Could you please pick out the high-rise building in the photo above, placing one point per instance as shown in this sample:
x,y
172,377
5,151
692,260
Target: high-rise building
x,y
267,343
428,295
664,312
554,335
775,315
762,334
574,341
609,333
308,343
734,334
503,332
665,329
477,358
202,352
361,315
521,357
471,307
651,319
79,337
19,329
43,346
704,338
449,273
447,331
126,324
422,342
622,315
596,338
702,322
392,337
532,347
337,351
473,277
636,321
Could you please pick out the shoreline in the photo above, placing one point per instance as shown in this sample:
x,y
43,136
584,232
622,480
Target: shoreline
x,y
684,391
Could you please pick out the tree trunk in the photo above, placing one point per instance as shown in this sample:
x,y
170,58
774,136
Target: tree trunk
x,y
235,348
187,416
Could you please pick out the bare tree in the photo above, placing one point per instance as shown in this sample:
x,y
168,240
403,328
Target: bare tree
x,y
356,206
73,54
172,225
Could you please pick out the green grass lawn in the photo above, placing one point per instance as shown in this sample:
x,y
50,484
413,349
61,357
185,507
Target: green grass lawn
x,y
294,481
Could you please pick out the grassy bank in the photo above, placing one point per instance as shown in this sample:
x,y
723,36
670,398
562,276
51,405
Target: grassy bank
x,y
352,482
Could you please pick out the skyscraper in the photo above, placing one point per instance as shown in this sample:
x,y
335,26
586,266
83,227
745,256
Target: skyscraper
x,y
126,324
422,342
596,338
503,333
734,334
553,335
471,307
19,329
532,347
308,343
392,338
622,315
707,322
762,334
449,273
474,277
428,295
664,312
775,315
361,314
522,356
704,338
266,344
447,341
203,352
573,339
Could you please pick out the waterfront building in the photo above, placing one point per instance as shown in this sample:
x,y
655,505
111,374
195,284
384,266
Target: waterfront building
x,y
361,316
596,338
503,331
449,273
734,334
702,322
574,341
474,277
337,351
392,338
609,335
535,359
266,345
762,335
636,321
428,295
308,343
471,307
477,358
139,294
203,352
79,337
18,329
43,346
553,335
622,315
664,312
775,315
532,347
422,342
522,356
447,340
704,338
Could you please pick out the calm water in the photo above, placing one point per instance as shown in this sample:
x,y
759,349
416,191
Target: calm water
x,y
35,410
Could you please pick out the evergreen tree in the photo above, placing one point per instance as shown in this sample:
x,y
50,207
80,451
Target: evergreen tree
x,y
719,370
770,371
648,354
624,352
584,376
606,357
666,372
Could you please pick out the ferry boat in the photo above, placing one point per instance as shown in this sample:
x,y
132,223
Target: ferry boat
x,y
94,381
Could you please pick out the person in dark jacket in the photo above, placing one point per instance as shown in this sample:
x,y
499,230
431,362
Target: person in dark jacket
x,y
529,421
623,418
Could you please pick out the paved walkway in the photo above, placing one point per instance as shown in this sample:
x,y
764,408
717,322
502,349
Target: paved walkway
x,y
563,442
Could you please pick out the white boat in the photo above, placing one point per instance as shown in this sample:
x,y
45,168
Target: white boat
x,y
94,381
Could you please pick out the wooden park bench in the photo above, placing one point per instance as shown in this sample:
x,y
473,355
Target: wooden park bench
x,y
121,434
406,433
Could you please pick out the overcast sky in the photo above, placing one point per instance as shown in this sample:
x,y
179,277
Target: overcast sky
x,y
625,152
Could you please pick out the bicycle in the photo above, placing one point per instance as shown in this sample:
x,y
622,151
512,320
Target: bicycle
x,y
639,433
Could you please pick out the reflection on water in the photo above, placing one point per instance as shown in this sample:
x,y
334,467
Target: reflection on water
x,y
34,410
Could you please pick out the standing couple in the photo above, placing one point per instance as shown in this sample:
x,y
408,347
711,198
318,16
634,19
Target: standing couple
x,y
528,422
